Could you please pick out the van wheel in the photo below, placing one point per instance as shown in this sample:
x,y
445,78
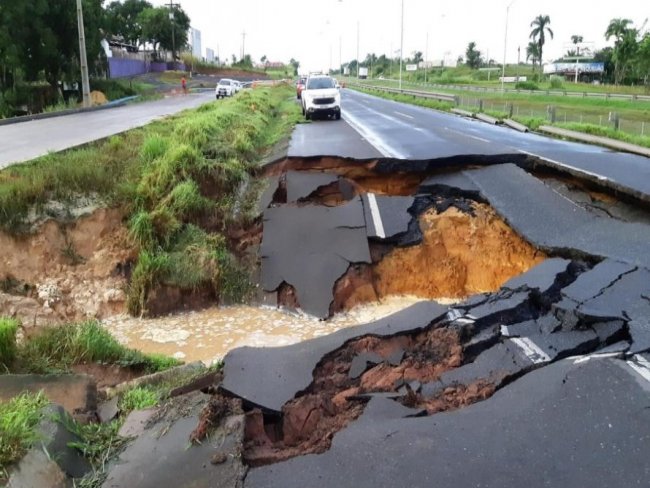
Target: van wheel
x,y
307,116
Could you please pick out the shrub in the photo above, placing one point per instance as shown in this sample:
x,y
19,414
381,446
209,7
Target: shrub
x,y
8,329
19,418
138,398
526,85
557,82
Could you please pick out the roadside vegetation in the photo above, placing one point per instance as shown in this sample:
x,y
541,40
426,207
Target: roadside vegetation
x,y
182,183
57,349
18,420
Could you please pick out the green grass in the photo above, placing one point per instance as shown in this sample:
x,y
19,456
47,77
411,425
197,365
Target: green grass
x,y
171,178
8,348
18,420
138,398
58,348
598,130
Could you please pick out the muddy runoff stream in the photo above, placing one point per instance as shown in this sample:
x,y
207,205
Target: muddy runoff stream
x,y
207,335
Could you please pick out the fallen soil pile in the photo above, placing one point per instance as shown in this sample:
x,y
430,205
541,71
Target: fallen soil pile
x,y
461,254
66,271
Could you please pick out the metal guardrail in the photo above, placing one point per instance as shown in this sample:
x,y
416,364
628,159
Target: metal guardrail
x,y
564,93
444,97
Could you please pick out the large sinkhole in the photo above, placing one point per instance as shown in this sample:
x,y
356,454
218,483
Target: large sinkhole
x,y
340,233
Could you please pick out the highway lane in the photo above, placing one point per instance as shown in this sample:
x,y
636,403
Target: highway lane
x,y
28,140
405,131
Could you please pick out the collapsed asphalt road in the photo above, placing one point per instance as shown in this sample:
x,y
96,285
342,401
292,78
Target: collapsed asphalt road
x,y
528,364
541,381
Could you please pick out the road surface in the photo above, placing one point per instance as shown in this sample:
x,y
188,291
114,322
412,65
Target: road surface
x,y
397,130
28,140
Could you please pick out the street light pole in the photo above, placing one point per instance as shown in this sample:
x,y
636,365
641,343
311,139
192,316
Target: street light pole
x,y
505,47
358,62
426,56
401,48
83,59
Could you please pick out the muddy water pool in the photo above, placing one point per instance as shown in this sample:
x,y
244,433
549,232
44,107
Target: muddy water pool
x,y
207,335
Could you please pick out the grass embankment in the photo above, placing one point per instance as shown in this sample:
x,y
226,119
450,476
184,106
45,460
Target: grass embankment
x,y
532,122
58,349
182,182
18,420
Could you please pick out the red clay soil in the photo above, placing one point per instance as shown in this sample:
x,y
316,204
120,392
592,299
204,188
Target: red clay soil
x,y
310,421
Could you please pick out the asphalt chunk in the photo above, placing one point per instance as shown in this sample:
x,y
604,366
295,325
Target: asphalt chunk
x,y
310,248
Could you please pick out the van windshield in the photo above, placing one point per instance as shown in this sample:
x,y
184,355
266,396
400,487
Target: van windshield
x,y
225,82
320,83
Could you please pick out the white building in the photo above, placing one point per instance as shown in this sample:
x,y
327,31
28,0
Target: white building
x,y
209,55
195,41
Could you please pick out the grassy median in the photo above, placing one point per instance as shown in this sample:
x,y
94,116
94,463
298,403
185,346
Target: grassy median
x,y
182,183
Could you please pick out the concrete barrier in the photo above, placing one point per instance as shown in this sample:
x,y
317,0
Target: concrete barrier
x,y
515,125
601,141
487,118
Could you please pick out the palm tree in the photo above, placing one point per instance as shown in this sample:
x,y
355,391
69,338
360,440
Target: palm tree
x,y
532,53
617,29
540,27
576,40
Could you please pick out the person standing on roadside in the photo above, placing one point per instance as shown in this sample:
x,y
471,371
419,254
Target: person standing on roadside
x,y
184,84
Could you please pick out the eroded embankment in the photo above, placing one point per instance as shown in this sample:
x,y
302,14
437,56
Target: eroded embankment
x,y
461,254
66,271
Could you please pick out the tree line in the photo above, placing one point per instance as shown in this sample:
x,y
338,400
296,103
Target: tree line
x,y
627,62
39,38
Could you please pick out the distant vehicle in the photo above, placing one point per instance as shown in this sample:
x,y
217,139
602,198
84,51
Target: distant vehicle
x,y
363,73
336,83
300,86
225,88
237,85
321,96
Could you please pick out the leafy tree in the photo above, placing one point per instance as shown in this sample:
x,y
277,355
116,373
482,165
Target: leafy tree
x,y
540,27
625,46
163,32
605,56
417,57
123,19
643,59
472,56
263,59
296,65
575,39
532,53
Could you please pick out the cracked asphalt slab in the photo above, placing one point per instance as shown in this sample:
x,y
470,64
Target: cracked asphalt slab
x,y
293,236
549,428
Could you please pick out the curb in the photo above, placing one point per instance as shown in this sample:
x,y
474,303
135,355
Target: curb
x,y
601,141
486,118
27,118
515,125
459,111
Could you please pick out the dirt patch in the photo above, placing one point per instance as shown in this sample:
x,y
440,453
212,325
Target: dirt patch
x,y
336,396
67,272
460,255
164,299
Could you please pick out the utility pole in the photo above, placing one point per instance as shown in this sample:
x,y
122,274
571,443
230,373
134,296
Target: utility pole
x,y
505,46
243,45
83,60
340,52
426,56
518,61
358,62
172,5
401,48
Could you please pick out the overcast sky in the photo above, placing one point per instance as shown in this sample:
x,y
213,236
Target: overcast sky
x,y
313,31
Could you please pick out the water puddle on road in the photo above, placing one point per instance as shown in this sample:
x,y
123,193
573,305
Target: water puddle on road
x,y
207,335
